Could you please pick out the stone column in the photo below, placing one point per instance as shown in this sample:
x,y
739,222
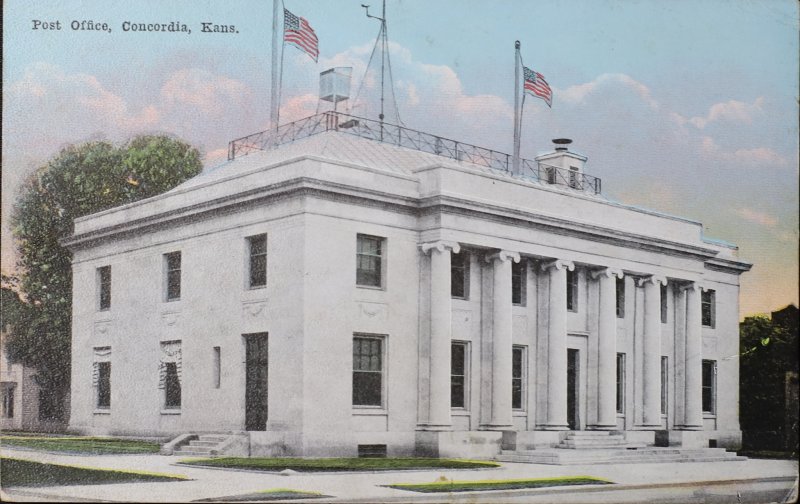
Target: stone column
x,y
557,344
440,334
607,348
693,363
651,364
501,339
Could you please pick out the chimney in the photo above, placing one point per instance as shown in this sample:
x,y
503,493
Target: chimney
x,y
561,144
562,157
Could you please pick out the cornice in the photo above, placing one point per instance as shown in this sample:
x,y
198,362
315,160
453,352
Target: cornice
x,y
459,206
442,204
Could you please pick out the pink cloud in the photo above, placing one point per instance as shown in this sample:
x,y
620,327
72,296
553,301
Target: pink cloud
x,y
756,157
731,111
757,217
579,92
201,89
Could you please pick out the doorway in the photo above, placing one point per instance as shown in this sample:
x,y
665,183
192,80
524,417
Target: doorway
x,y
255,390
573,381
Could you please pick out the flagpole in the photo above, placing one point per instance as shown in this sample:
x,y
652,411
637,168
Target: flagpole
x,y
274,105
515,158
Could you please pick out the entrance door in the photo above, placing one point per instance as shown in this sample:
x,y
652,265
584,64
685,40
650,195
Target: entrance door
x,y
255,393
573,368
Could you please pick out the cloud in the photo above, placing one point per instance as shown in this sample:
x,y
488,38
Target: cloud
x,y
200,89
755,157
731,111
79,102
760,218
578,93
298,107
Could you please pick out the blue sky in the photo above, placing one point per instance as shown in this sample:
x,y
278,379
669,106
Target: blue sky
x,y
688,107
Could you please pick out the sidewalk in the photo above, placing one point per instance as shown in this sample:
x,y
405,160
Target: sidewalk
x,y
210,483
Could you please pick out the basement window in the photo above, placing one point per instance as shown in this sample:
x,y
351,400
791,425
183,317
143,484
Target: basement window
x,y
372,451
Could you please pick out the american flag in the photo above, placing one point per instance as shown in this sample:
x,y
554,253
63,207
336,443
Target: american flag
x,y
537,86
299,33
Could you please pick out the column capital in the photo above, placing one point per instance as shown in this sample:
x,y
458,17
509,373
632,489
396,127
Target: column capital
x,y
503,255
693,286
440,246
655,279
607,273
558,264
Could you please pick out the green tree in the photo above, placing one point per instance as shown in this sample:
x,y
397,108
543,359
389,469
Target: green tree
x,y
767,351
80,180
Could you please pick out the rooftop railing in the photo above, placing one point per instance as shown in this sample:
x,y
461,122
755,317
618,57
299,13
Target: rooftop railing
x,y
412,139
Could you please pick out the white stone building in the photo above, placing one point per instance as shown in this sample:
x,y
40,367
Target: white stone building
x,y
338,293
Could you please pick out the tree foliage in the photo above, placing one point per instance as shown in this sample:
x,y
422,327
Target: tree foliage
x,y
80,180
768,350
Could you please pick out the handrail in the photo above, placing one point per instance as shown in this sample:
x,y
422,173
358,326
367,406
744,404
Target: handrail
x,y
412,139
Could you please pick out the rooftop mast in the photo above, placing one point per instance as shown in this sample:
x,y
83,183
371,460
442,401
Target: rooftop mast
x,y
383,42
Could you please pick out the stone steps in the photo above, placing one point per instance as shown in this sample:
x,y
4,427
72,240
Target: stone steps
x,y
587,440
204,446
607,447
557,456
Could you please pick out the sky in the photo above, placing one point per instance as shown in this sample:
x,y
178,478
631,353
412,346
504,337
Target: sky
x,y
689,107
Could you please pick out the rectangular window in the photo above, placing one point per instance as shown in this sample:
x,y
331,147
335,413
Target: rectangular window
x,y
103,385
104,287
459,275
369,261
8,399
620,298
518,282
458,375
663,304
620,383
217,367
518,377
708,308
664,383
257,246
709,386
172,386
572,291
172,266
367,371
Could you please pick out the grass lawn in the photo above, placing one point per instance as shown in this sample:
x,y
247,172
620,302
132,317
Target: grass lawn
x,y
339,464
485,485
269,495
79,444
18,472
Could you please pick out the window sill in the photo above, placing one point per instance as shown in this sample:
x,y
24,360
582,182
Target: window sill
x,y
707,415
369,411
175,411
519,413
102,411
460,412
371,287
